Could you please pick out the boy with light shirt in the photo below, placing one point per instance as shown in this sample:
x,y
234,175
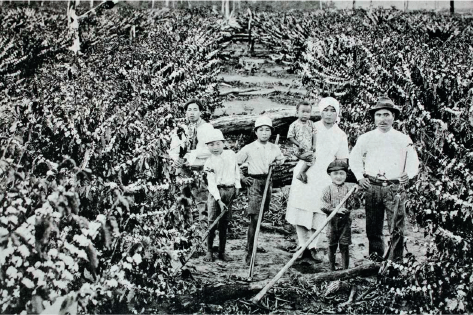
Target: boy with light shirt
x,y
223,177
339,228
259,155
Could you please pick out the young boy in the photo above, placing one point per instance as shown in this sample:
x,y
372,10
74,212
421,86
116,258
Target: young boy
x,y
223,177
302,134
339,228
259,155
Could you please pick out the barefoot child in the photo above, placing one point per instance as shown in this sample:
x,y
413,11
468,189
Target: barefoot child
x,y
302,134
339,228
259,155
223,177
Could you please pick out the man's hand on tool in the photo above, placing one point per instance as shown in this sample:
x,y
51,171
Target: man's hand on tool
x,y
364,183
403,179
343,211
222,205
180,163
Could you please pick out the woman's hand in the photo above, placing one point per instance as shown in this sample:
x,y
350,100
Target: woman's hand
x,y
247,180
223,207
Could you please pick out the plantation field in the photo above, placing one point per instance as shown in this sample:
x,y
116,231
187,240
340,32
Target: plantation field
x,y
93,218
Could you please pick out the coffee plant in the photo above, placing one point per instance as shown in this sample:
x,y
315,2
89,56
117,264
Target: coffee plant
x,y
426,68
90,218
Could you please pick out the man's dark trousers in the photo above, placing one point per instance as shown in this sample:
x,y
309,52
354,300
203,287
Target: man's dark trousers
x,y
380,199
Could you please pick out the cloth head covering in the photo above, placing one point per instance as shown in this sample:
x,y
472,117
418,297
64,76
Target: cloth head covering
x,y
330,101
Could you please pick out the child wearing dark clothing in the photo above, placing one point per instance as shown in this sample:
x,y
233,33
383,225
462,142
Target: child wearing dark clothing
x,y
339,228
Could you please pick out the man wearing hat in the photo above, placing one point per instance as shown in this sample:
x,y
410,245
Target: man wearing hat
x,y
383,160
260,155
223,177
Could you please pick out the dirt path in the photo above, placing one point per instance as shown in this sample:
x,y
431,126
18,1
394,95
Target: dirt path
x,y
285,91
276,256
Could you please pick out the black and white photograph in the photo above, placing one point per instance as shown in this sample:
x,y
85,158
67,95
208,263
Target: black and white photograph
x,y
236,157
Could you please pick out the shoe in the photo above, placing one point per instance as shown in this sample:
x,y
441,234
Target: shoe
x,y
315,256
224,257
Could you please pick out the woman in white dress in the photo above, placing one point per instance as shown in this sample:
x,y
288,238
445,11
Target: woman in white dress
x,y
303,208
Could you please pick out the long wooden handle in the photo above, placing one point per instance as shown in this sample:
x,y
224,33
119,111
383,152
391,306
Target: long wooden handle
x,y
260,218
258,297
203,240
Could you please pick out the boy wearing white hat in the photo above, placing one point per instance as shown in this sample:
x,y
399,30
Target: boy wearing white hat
x,y
223,177
260,155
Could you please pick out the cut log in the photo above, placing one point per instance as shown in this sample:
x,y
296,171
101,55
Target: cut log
x,y
217,294
367,270
275,229
281,117
237,91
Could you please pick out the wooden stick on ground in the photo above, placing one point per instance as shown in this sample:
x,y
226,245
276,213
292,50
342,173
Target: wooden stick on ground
x,y
273,281
203,240
260,218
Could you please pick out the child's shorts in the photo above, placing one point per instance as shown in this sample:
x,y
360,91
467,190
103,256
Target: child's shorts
x,y
255,196
339,230
227,194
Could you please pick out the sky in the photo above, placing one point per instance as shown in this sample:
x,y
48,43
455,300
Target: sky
x,y
460,5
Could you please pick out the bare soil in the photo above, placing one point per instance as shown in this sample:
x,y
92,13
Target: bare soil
x,y
275,253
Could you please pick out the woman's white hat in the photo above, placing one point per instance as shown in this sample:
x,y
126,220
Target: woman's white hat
x,y
329,101
214,135
263,121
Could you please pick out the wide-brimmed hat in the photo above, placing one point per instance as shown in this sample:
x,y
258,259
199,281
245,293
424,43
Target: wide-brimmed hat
x,y
263,121
385,102
214,135
337,165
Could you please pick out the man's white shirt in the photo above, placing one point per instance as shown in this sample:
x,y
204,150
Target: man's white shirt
x,y
385,155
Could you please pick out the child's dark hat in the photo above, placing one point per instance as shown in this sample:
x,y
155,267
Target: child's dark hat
x,y
337,165
385,102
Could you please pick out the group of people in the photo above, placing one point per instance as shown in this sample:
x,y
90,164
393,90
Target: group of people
x,y
383,160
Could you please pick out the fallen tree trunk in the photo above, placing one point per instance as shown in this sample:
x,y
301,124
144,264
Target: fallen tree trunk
x,y
367,270
281,117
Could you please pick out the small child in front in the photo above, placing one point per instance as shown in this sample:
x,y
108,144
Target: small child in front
x,y
339,228
223,178
259,155
302,133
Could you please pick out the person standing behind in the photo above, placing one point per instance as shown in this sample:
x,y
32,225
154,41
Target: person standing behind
x,y
194,135
223,177
390,160
259,155
302,134
304,202
191,141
